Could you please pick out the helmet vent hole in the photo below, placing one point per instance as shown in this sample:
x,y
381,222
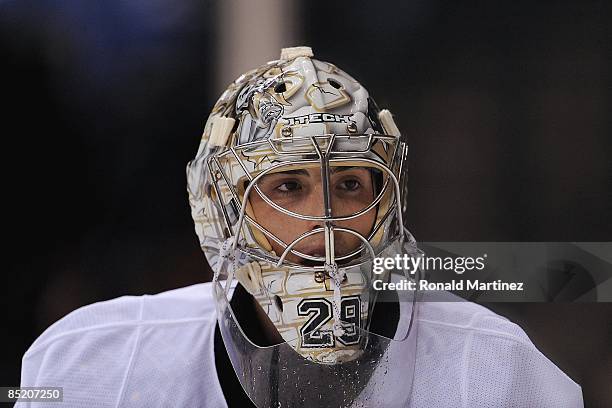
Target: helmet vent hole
x,y
334,83
280,88
279,303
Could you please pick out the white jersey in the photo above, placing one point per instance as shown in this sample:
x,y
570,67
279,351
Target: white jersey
x,y
158,351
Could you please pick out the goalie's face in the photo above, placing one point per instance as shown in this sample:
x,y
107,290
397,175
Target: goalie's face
x,y
351,189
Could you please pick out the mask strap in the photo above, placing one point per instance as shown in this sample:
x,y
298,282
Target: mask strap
x,y
229,254
337,276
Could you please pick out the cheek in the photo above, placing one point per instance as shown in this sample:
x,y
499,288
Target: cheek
x,y
364,223
281,225
284,227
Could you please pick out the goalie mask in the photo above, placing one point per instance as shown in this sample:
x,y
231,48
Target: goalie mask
x,y
296,189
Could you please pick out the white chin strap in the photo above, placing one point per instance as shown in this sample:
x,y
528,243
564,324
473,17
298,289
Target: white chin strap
x,y
337,276
229,254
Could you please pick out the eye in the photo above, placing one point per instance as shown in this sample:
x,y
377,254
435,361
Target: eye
x,y
289,187
349,185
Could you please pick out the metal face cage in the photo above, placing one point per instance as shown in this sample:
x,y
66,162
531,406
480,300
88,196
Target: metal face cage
x,y
235,175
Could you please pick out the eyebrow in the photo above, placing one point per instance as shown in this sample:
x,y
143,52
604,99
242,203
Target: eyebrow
x,y
338,169
297,171
303,172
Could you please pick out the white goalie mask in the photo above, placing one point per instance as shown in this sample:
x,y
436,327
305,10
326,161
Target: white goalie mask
x,y
290,132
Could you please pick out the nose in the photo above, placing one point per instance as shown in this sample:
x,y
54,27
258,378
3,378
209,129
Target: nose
x,y
313,205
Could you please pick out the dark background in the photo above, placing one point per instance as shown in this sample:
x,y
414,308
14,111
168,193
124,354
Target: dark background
x,y
506,104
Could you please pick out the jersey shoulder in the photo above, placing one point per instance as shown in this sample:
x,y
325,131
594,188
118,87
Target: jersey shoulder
x,y
467,355
132,348
446,310
182,304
